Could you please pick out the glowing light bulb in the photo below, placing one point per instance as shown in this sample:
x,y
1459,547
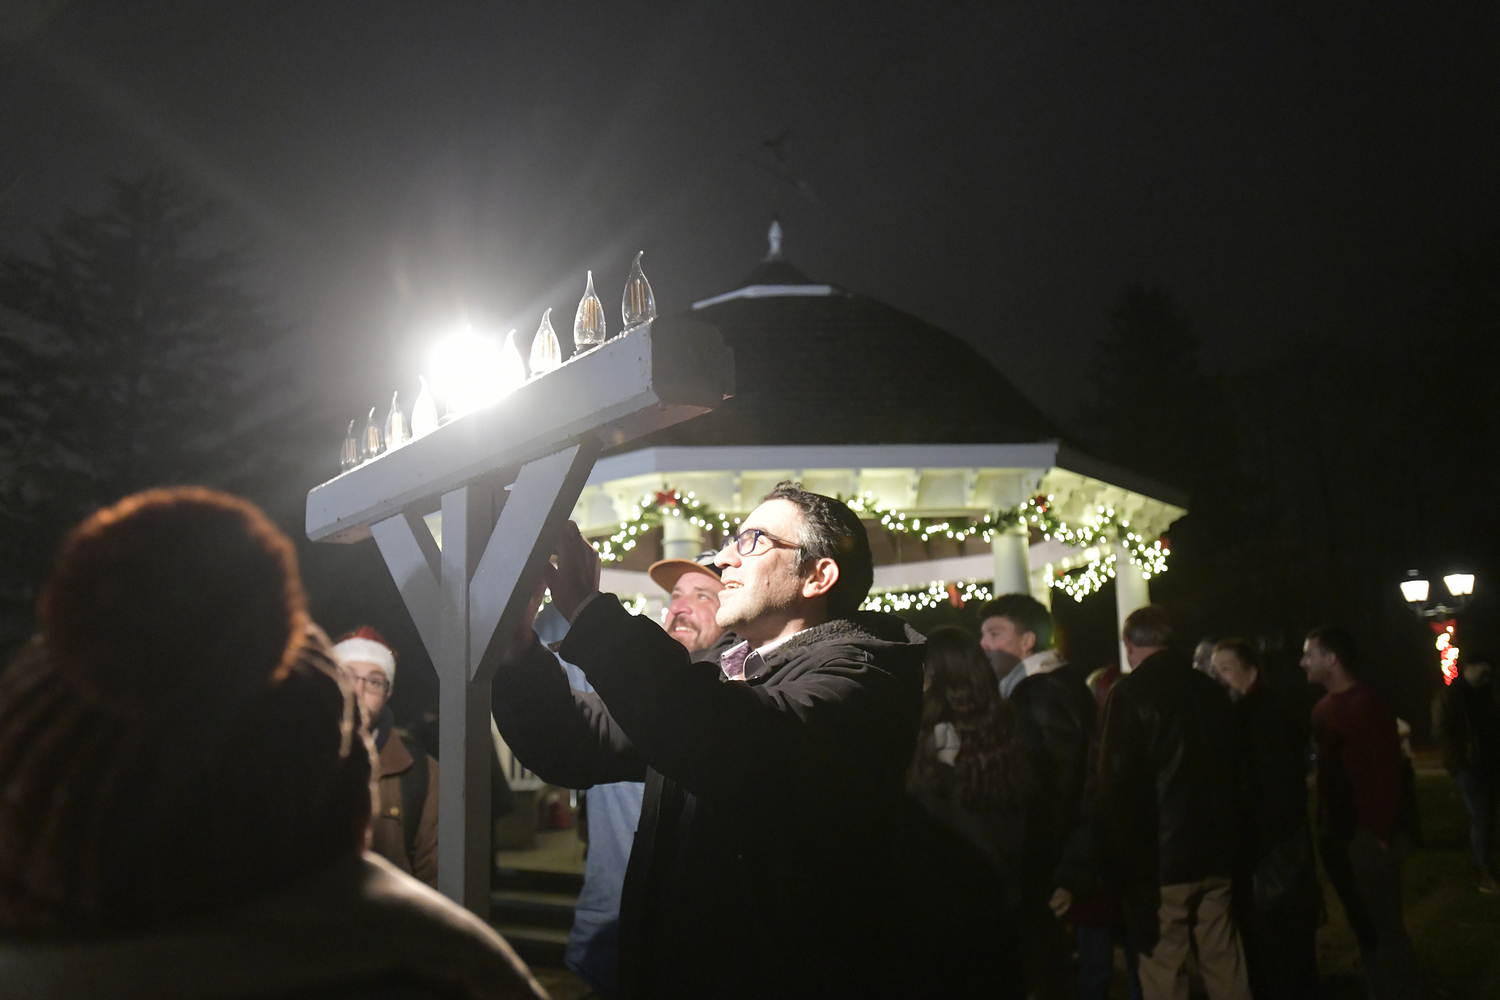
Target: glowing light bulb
x,y
468,371
546,352
588,325
349,453
424,415
1414,591
396,431
512,372
370,443
637,305
1459,584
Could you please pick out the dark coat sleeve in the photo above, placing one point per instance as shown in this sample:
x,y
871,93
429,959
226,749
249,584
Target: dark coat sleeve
x,y
822,728
566,737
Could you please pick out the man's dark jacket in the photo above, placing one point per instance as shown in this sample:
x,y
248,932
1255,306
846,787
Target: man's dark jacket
x,y
1056,713
1278,835
1169,784
764,862
1466,726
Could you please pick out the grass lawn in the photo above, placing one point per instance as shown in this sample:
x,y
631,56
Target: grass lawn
x,y
1455,927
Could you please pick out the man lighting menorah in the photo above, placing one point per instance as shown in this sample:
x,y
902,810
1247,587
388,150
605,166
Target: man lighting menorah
x,y
764,862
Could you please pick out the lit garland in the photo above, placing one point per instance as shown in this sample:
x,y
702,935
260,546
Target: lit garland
x,y
1447,650
933,595
1036,512
648,514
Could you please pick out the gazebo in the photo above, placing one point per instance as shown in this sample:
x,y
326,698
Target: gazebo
x,y
968,488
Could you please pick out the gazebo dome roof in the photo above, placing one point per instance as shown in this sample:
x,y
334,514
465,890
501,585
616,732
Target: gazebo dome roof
x,y
815,364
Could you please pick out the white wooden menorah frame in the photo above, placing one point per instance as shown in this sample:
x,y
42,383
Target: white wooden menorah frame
x,y
505,477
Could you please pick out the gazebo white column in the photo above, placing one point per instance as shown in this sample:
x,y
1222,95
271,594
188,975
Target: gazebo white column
x,y
1131,594
1012,551
680,538
505,478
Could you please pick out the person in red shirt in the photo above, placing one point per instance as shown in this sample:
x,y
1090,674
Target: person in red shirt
x,y
1359,805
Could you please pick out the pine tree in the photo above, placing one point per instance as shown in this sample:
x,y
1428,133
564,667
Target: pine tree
x,y
132,355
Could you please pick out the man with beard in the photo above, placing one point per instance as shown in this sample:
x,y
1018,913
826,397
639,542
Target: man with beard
x,y
614,809
765,860
405,827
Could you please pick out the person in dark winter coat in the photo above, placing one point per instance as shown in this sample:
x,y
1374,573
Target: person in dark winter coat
x,y
764,864
972,777
188,786
1171,812
1056,714
1284,900
1466,725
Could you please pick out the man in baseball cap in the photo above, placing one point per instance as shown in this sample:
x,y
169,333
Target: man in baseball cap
x,y
694,585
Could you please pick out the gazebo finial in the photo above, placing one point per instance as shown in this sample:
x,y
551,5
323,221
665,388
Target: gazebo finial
x,y
774,238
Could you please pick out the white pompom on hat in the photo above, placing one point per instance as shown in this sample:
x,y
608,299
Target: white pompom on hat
x,y
365,645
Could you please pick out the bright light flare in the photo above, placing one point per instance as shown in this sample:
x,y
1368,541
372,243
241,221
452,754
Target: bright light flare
x,y
1414,591
1459,584
468,370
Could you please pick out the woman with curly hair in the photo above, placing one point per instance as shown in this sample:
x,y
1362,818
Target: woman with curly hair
x,y
974,782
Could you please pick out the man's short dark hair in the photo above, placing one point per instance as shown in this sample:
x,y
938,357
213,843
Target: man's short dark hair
x,y
1339,642
830,530
1474,659
1148,627
1025,612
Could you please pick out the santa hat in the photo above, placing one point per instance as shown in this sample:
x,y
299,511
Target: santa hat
x,y
365,645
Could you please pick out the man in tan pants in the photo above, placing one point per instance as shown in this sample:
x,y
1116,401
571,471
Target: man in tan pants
x,y
1171,812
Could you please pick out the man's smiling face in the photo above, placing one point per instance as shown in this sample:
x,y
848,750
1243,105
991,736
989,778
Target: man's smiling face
x,y
695,603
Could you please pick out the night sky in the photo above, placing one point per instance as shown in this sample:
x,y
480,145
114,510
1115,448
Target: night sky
x,y
1000,170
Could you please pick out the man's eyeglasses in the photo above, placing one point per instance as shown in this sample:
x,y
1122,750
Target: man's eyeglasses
x,y
748,542
375,682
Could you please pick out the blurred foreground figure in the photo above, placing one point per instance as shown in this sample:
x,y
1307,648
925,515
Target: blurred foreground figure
x,y
764,863
1168,761
1466,725
188,785
1284,899
406,777
1360,781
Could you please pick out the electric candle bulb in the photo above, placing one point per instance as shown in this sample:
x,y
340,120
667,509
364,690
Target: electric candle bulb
x,y
370,443
588,325
349,453
512,372
637,305
424,415
396,432
546,352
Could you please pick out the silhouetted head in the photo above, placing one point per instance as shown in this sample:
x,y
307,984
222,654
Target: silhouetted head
x,y
178,738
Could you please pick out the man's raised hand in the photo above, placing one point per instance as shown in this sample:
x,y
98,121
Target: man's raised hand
x,y
575,580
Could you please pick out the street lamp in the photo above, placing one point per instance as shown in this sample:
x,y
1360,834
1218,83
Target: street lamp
x,y
1440,612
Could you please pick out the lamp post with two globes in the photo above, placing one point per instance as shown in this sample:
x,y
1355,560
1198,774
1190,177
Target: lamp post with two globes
x,y
1440,612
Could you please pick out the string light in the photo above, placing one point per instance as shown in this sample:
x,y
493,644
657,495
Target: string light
x,y
933,595
1103,538
1447,650
649,512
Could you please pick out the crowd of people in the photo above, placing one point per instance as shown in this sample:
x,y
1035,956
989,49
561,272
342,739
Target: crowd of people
x,y
787,796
